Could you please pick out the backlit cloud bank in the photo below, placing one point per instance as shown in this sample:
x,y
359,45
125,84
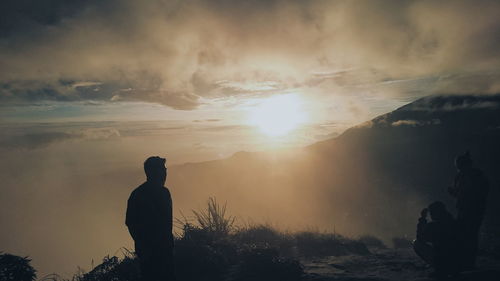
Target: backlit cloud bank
x,y
180,53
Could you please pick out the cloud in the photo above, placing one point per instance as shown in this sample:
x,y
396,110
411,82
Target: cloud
x,y
98,133
415,123
452,103
178,53
222,128
412,123
207,120
34,141
201,146
326,136
44,138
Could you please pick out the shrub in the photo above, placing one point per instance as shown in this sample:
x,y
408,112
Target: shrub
x,y
198,235
265,264
372,241
15,268
319,244
327,244
257,234
113,269
214,219
401,243
210,260
264,236
356,247
205,244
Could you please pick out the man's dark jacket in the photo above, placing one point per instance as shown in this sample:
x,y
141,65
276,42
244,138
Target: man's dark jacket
x,y
149,218
471,192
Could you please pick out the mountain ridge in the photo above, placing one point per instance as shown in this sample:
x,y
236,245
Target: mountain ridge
x,y
373,178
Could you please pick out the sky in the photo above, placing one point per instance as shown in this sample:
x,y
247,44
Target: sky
x,y
181,61
92,87
189,61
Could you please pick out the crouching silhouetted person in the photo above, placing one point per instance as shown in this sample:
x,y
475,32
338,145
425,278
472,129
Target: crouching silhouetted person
x,y
437,240
149,220
471,190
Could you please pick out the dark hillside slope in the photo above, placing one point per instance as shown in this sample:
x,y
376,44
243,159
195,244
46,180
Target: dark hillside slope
x,y
410,151
374,178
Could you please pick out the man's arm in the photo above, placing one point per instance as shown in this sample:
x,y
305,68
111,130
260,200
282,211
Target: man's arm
x,y
422,226
454,189
131,219
170,218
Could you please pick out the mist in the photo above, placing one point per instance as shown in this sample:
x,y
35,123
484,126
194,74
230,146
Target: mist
x,y
64,194
90,89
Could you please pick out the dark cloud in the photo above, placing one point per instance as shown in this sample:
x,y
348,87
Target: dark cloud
x,y
182,100
178,52
60,90
25,15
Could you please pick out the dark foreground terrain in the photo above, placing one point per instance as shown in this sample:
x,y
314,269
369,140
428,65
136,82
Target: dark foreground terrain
x,y
388,265
379,265
211,247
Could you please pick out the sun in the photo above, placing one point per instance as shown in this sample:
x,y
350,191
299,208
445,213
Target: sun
x,y
278,115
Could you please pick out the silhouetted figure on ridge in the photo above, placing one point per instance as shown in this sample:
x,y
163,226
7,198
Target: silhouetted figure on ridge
x,y
470,188
149,220
437,240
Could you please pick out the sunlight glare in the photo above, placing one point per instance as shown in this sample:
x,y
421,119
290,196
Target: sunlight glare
x,y
278,115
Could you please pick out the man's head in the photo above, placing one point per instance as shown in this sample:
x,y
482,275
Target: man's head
x,y
437,210
463,161
155,170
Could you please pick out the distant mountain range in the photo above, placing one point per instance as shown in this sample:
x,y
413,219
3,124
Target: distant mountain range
x,y
374,178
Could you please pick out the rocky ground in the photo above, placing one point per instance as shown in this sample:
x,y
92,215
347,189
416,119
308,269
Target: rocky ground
x,y
388,265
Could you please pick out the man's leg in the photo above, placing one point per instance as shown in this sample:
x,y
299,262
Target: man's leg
x,y
469,241
425,251
147,268
470,250
159,267
166,266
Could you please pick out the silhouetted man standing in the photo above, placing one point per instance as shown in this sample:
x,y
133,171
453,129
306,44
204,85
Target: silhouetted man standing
x,y
149,220
471,190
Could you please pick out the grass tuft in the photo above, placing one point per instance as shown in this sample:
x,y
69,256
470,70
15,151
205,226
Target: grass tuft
x,y
214,219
